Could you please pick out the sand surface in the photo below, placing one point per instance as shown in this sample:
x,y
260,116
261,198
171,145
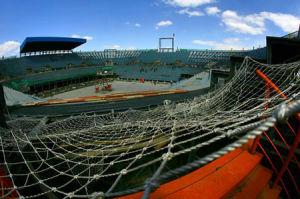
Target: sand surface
x,y
117,87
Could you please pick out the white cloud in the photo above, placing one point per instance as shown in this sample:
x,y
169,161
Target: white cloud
x,y
231,40
116,47
187,3
88,38
84,37
251,24
131,48
254,24
9,48
227,44
163,23
206,43
190,13
133,24
287,22
212,10
75,36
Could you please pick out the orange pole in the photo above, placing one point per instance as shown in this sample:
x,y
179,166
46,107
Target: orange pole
x,y
274,87
281,158
6,182
288,159
255,143
274,169
297,138
271,84
2,188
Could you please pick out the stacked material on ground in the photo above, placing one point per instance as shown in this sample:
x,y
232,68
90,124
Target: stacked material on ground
x,y
105,98
117,87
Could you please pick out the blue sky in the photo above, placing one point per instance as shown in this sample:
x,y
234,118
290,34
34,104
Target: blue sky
x,y
137,24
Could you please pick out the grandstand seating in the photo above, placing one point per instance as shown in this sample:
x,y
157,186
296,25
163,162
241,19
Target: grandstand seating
x,y
158,73
19,66
59,75
260,53
164,57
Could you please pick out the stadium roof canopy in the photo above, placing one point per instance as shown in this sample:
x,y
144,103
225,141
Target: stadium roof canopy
x,y
40,44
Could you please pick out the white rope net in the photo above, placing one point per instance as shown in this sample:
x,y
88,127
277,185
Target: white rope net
x,y
88,154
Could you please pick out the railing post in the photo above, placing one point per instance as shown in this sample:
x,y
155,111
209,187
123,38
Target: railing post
x,y
256,140
2,188
297,136
7,183
271,84
289,157
255,143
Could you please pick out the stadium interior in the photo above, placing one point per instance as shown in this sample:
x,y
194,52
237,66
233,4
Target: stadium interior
x,y
116,122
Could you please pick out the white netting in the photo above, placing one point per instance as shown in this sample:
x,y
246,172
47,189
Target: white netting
x,y
85,155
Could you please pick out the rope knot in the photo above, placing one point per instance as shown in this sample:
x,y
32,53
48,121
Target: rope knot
x,y
98,195
167,102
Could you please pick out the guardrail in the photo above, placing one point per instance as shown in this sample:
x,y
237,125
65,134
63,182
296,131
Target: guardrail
x,y
282,166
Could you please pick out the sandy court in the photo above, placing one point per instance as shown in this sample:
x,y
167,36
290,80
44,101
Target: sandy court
x,y
117,87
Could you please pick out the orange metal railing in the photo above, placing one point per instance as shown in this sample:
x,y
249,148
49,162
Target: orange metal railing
x,y
279,172
7,187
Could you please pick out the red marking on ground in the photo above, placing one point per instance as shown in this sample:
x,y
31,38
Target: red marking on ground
x,y
116,96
